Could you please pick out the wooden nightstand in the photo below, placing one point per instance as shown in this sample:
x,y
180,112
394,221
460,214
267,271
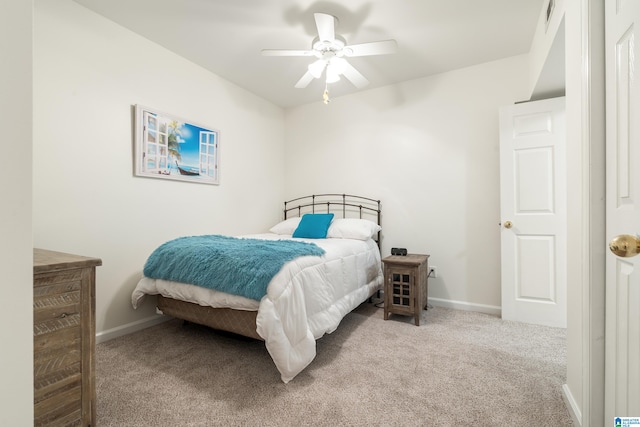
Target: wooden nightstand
x,y
405,285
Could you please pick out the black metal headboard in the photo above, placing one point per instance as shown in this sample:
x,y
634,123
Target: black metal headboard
x,y
350,206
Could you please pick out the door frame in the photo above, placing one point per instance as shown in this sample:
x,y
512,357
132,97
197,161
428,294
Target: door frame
x,y
586,174
594,304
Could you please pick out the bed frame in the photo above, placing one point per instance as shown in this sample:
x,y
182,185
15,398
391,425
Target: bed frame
x,y
243,322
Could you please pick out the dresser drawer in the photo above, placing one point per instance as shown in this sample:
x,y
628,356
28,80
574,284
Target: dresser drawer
x,y
62,408
57,359
57,280
51,305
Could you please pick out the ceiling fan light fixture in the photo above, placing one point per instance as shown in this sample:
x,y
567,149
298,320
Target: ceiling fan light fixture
x,y
338,65
317,68
332,74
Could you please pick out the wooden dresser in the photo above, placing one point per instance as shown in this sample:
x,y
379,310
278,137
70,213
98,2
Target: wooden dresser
x,y
63,338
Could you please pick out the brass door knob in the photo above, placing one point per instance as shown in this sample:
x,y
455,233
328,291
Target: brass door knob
x,y
625,245
508,224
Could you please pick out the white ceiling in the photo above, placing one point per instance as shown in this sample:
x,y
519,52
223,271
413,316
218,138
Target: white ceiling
x,y
227,36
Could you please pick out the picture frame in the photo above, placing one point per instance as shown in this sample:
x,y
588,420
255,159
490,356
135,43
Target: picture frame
x,y
168,147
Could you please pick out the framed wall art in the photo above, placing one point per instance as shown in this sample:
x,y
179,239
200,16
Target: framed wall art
x,y
169,147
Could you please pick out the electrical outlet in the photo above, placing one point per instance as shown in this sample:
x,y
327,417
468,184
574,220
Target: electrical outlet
x,y
433,272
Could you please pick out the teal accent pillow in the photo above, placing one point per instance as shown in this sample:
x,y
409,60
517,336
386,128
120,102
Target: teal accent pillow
x,y
313,226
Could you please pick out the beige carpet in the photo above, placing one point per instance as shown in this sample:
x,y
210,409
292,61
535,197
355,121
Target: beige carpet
x,y
457,369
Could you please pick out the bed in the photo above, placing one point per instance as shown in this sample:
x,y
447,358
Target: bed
x,y
304,299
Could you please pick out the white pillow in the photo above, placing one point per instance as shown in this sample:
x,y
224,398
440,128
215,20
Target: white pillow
x,y
288,226
352,228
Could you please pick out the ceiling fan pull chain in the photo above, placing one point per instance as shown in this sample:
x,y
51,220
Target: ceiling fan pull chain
x,y
325,95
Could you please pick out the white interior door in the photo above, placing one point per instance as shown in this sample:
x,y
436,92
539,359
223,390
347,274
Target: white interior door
x,y
622,313
533,212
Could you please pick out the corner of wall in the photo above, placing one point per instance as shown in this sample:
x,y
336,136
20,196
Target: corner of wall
x,y
572,405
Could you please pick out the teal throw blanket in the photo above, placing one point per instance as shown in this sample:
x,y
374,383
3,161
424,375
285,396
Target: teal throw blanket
x,y
233,265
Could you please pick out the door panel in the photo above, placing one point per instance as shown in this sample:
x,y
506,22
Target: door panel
x,y
534,176
535,282
622,314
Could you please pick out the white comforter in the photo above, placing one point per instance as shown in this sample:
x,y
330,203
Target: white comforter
x,y
305,300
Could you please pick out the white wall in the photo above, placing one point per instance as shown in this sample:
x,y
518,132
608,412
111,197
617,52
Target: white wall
x,y
428,148
88,73
16,253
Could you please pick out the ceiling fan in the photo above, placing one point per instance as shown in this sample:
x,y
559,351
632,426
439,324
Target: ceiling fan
x,y
330,50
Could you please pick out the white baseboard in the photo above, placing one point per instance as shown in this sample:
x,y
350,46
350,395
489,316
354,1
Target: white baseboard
x,y
130,328
462,305
572,406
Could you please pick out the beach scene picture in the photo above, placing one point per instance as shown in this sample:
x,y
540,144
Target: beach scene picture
x,y
172,148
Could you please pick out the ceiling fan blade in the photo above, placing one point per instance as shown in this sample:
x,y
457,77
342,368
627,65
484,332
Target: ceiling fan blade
x,y
354,76
286,52
304,80
382,47
326,26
